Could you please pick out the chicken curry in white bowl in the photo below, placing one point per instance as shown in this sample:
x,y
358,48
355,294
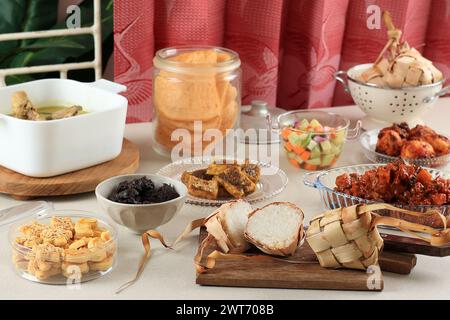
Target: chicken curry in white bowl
x,y
55,126
23,108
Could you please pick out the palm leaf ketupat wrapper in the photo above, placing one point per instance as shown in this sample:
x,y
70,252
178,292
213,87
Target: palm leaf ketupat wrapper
x,y
398,65
348,237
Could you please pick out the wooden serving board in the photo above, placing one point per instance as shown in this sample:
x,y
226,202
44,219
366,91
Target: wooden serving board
x,y
306,275
414,246
25,188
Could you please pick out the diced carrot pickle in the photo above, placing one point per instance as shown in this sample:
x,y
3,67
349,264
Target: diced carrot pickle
x,y
294,163
288,146
307,166
285,133
305,155
318,129
298,150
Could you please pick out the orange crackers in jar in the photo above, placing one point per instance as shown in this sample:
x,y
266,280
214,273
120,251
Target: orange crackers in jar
x,y
194,89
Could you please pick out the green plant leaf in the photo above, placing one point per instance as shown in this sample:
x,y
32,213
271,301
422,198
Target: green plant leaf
x,y
21,59
11,16
62,49
19,78
40,15
24,15
87,17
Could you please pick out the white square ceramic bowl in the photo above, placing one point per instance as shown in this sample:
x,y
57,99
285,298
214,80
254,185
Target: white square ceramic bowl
x,y
49,148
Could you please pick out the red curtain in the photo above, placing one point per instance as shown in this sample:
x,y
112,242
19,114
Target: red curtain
x,y
289,48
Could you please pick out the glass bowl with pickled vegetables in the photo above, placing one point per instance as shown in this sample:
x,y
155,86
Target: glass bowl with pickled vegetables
x,y
313,140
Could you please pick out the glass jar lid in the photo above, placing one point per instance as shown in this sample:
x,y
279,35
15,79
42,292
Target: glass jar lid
x,y
227,60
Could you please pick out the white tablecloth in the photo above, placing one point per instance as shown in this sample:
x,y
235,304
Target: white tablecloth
x,y
171,274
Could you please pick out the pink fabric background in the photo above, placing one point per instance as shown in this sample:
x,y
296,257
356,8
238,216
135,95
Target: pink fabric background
x,y
289,48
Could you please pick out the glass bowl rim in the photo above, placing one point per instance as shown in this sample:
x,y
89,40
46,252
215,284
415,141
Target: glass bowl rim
x,y
318,184
328,114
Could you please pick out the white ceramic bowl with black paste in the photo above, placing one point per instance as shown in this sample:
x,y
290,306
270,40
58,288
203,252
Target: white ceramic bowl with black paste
x,y
140,217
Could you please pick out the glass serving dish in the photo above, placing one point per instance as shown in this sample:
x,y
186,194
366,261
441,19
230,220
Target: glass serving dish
x,y
369,140
272,182
60,265
313,147
324,182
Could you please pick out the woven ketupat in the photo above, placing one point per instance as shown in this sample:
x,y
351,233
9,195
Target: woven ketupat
x,y
403,66
348,237
345,238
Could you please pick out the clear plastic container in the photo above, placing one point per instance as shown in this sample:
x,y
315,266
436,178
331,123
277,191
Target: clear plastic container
x,y
72,254
194,89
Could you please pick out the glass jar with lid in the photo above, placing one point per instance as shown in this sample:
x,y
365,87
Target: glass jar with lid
x,y
195,90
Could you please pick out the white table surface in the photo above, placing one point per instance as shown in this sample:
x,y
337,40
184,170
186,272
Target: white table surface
x,y
171,275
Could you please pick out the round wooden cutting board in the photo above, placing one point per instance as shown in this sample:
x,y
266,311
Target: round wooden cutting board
x,y
24,188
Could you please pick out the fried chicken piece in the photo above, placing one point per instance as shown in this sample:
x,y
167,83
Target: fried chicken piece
x,y
401,128
440,144
343,182
419,142
65,113
23,108
415,149
389,142
420,131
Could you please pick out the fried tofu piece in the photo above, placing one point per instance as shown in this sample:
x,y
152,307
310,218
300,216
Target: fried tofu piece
x,y
185,178
201,174
223,194
253,171
232,180
216,169
203,188
236,182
